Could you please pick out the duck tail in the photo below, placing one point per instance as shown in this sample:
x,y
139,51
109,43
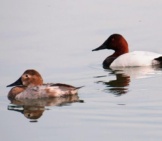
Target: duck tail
x,y
159,59
79,87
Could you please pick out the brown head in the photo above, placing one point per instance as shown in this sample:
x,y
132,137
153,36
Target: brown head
x,y
28,78
115,42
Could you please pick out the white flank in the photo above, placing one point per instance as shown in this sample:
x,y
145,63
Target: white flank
x,y
135,58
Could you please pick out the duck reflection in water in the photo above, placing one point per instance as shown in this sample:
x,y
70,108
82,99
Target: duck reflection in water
x,y
33,108
124,76
118,86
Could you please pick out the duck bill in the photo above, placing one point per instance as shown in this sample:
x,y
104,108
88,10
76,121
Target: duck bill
x,y
16,83
100,48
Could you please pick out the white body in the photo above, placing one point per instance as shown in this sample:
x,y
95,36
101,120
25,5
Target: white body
x,y
136,58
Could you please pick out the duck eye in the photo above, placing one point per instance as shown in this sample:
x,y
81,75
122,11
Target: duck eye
x,y
26,76
112,39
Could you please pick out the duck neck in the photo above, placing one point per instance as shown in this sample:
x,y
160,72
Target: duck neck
x,y
15,91
107,62
122,49
119,52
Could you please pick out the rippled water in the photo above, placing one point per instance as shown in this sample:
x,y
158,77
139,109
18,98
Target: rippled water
x,y
56,38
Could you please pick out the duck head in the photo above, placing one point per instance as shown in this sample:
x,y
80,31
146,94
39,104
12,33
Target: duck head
x,y
115,42
28,78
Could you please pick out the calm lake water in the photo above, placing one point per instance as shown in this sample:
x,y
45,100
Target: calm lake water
x,y
56,38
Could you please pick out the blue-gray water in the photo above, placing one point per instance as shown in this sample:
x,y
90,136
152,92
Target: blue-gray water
x,y
56,38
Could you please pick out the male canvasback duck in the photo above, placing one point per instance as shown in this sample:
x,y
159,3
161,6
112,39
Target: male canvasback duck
x,y
123,58
30,86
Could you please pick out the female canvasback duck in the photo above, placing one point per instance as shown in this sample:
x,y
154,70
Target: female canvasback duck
x,y
30,86
123,58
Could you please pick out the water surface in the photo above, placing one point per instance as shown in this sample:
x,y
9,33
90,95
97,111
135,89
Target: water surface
x,y
56,38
